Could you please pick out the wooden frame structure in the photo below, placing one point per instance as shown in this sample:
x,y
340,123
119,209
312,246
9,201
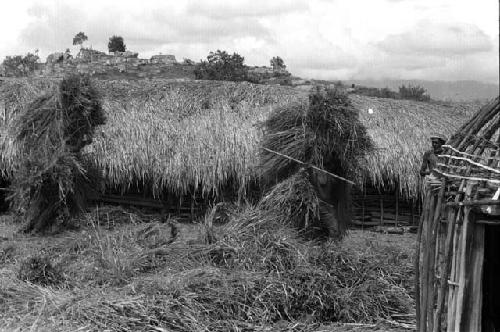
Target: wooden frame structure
x,y
375,207
454,288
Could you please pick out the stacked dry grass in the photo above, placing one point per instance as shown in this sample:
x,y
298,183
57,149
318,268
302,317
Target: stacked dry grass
x,y
258,275
401,131
295,202
50,181
324,134
180,136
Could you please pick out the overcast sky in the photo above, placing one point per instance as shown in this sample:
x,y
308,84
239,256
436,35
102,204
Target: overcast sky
x,y
329,39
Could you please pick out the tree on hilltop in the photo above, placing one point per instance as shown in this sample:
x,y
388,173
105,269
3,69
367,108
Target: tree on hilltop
x,y
277,63
116,44
222,66
79,38
416,92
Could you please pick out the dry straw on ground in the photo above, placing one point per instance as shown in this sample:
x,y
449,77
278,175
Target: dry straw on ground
x,y
258,275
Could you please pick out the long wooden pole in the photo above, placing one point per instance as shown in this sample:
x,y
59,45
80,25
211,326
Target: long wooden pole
x,y
418,246
432,247
429,216
312,166
462,263
445,272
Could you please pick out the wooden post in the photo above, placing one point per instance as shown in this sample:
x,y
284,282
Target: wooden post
x,y
412,217
192,207
433,247
397,208
363,208
381,209
473,303
445,272
427,254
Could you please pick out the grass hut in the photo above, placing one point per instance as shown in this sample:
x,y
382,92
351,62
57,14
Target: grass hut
x,y
400,130
458,264
182,141
189,140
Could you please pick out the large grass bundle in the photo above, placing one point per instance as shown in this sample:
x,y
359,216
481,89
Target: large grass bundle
x,y
49,177
326,134
295,202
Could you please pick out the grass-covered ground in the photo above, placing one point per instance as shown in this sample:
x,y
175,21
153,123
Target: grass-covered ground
x,y
126,271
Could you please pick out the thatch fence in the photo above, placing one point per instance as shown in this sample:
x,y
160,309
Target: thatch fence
x,y
457,264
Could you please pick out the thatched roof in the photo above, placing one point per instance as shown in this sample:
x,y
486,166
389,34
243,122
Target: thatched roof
x,y
178,134
401,131
169,134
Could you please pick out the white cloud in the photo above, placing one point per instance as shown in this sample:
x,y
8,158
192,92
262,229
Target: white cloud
x,y
444,39
447,39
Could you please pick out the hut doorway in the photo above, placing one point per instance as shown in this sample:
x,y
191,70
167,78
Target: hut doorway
x,y
491,285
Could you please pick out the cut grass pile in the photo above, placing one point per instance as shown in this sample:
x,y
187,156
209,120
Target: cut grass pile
x,y
255,275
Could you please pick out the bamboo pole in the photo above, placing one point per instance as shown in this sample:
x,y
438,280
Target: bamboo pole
x,y
463,260
417,266
432,247
425,265
445,271
452,288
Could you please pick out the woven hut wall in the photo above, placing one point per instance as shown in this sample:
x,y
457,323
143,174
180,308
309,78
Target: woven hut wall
x,y
456,263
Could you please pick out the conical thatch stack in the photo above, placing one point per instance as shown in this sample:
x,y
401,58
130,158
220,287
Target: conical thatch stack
x,y
49,175
458,261
326,136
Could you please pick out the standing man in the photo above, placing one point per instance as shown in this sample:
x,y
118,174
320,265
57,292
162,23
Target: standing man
x,y
430,157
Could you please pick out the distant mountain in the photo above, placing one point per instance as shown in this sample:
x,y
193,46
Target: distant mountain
x,y
439,90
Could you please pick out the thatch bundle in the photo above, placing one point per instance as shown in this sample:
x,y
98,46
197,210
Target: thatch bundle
x,y
295,202
325,132
327,135
49,179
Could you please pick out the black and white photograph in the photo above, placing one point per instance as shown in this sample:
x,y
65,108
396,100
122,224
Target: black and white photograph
x,y
249,166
